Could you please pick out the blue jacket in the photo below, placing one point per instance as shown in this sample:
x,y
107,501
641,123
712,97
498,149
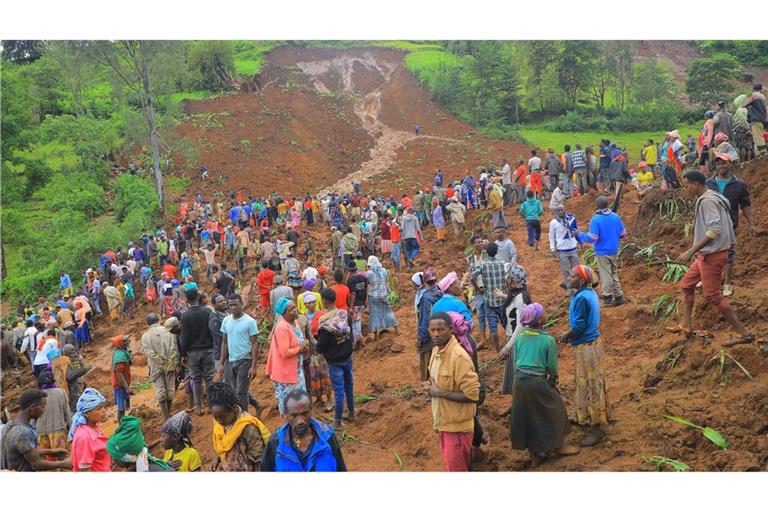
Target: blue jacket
x,y
450,303
605,231
584,316
320,458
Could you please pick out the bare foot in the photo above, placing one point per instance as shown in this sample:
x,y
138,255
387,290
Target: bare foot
x,y
568,449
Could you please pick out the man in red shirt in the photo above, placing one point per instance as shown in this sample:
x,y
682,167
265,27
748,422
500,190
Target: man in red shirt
x,y
521,173
170,269
407,202
394,234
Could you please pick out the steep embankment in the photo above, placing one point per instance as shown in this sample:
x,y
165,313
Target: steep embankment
x,y
381,101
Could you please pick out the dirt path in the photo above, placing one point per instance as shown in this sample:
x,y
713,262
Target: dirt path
x,y
368,108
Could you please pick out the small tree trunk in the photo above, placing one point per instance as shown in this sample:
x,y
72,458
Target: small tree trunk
x,y
149,110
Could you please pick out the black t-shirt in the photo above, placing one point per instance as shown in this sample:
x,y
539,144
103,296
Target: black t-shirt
x,y
358,284
18,439
292,236
194,330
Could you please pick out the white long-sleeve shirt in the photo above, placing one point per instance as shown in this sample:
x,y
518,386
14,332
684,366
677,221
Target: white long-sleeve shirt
x,y
561,238
558,198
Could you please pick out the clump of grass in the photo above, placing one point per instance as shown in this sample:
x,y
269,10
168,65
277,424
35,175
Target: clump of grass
x,y
664,307
364,398
671,358
722,357
661,462
674,273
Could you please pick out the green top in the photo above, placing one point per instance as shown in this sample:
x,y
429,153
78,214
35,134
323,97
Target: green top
x,y
532,209
536,353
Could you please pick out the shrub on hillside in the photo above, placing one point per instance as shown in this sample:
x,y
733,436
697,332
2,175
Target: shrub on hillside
x,y
133,193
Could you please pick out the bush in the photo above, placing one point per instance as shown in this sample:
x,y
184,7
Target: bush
x,y
212,64
654,116
575,121
72,192
133,193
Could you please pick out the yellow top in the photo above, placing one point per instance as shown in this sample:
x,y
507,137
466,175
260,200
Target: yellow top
x,y
189,458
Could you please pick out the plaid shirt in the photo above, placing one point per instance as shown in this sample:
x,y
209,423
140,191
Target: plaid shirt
x,y
579,159
494,278
377,284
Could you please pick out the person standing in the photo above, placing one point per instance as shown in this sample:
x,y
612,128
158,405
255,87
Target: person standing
x,y
53,425
563,243
605,231
531,210
713,236
520,179
159,345
591,401
553,165
381,317
507,252
538,421
438,221
65,284
197,346
20,447
302,444
286,348
426,297
218,313
411,233
457,211
580,169
494,288
737,193
265,279
757,116
506,182
566,179
496,207
89,444
335,343
454,390
239,349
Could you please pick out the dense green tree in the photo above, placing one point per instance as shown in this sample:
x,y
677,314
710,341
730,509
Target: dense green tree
x,y
709,79
541,56
21,51
651,81
212,64
574,68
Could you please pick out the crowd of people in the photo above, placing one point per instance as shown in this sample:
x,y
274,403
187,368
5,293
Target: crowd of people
x,y
313,299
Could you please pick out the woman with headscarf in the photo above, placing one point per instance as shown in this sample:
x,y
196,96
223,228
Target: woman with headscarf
x,y
517,297
538,421
380,314
591,401
53,425
335,343
238,438
285,359
742,132
308,286
177,443
318,382
185,265
291,270
128,449
89,444
438,220
450,301
113,300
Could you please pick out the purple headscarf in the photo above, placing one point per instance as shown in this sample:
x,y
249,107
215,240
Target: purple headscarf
x,y
532,314
460,327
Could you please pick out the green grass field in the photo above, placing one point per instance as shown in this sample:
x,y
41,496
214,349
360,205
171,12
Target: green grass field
x,y
633,141
249,55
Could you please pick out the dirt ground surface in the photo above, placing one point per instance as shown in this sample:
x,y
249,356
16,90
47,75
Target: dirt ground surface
x,y
351,114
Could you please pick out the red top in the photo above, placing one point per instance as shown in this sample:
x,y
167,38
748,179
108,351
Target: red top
x,y
394,233
536,182
111,255
384,228
89,448
170,270
520,174
342,294
407,202
265,279
121,368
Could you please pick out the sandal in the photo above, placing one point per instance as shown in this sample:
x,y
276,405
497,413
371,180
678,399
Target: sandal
x,y
741,340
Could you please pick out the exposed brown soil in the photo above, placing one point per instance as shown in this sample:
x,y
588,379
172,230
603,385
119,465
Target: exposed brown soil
x,y
398,421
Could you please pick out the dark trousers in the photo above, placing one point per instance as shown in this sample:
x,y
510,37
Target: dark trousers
x,y
236,375
534,231
201,368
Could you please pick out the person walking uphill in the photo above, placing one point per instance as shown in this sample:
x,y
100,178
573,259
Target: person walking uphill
x,y
562,242
532,211
454,389
197,346
494,288
538,421
335,342
605,231
713,236
410,232
302,444
591,401
159,344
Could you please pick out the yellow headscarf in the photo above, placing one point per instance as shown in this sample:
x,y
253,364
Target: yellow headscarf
x,y
223,441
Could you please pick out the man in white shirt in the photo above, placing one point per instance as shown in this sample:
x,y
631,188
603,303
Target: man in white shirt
x,y
557,200
534,163
507,251
506,181
309,273
563,243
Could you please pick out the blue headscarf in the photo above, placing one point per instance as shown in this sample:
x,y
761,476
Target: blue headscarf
x,y
88,401
281,305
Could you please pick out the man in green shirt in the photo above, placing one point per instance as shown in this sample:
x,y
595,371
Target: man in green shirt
x,y
532,211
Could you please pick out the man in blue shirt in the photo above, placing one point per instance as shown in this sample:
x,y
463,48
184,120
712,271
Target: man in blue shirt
x,y
239,349
605,231
65,284
591,403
